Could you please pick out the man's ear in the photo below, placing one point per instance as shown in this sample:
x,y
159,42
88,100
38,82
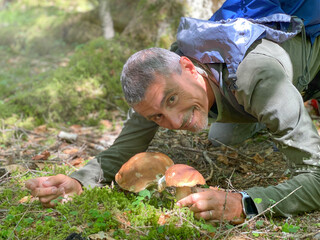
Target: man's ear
x,y
187,65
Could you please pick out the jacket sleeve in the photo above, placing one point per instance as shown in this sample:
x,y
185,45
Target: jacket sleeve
x,y
266,92
135,137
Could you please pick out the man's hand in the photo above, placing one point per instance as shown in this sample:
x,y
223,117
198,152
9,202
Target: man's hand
x,y
50,188
213,205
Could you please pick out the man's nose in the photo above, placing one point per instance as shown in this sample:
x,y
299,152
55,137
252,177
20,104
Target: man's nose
x,y
175,120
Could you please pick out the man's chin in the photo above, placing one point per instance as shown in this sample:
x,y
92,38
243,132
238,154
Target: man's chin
x,y
196,128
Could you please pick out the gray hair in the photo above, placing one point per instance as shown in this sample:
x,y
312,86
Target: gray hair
x,y
141,68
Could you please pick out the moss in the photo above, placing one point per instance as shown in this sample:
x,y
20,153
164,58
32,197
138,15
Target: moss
x,y
85,90
152,20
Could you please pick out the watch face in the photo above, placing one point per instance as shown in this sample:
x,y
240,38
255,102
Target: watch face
x,y
249,206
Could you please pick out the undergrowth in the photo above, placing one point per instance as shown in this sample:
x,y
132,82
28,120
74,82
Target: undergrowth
x,y
107,210
50,79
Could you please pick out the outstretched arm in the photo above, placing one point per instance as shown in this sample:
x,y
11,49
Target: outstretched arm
x,y
134,138
266,91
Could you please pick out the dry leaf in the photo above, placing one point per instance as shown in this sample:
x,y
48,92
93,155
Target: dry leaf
x,y
41,129
76,128
40,165
100,236
27,199
77,162
43,156
163,219
223,159
233,155
71,151
244,168
258,159
15,167
106,123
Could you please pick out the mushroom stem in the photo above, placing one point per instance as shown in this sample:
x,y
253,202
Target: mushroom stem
x,y
162,183
182,192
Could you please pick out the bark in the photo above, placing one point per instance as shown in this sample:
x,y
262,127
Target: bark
x,y
106,19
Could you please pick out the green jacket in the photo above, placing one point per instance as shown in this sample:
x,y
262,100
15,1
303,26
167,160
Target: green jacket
x,y
268,92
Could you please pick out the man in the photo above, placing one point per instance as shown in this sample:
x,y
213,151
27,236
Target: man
x,y
178,92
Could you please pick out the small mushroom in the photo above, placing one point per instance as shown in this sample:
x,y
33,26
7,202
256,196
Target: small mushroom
x,y
143,170
183,177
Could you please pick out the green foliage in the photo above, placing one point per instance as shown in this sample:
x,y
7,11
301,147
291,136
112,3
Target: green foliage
x,y
289,228
106,209
82,91
50,79
257,200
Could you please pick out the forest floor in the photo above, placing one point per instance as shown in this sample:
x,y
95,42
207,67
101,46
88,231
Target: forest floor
x,y
256,162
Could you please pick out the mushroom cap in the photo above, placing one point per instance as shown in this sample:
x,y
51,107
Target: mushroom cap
x,y
182,175
143,170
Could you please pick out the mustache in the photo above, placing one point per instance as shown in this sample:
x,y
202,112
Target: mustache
x,y
187,117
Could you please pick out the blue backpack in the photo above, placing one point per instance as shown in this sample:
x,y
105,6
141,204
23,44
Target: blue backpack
x,y
228,34
307,10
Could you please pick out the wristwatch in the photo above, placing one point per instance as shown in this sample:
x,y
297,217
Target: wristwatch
x,y
248,206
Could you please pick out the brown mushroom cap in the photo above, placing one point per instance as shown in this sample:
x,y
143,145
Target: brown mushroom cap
x,y
181,175
143,170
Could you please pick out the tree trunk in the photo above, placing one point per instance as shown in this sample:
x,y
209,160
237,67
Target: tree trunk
x,y
106,19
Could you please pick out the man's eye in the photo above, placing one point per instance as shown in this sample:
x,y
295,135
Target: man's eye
x,y
157,117
171,99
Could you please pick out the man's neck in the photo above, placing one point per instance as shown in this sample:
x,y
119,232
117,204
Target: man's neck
x,y
208,88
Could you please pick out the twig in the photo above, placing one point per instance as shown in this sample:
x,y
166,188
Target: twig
x,y
22,217
309,234
196,227
209,160
194,150
225,200
233,149
263,212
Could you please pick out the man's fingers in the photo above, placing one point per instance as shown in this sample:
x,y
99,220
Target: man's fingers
x,y
207,215
35,183
202,205
197,189
193,198
41,192
54,180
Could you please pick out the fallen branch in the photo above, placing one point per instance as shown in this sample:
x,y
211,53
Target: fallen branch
x,y
233,149
209,160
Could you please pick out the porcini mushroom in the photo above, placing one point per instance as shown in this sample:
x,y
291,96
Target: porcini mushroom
x,y
183,177
143,170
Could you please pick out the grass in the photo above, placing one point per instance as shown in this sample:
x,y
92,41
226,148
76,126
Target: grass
x,y
50,79
118,214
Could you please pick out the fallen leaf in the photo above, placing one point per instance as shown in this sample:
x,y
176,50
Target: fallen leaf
x,y
40,165
76,128
77,162
71,151
122,219
258,159
233,154
107,124
223,159
43,156
244,168
41,129
15,167
163,219
27,199
100,236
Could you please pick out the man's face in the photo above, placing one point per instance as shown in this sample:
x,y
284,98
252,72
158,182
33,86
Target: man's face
x,y
179,102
